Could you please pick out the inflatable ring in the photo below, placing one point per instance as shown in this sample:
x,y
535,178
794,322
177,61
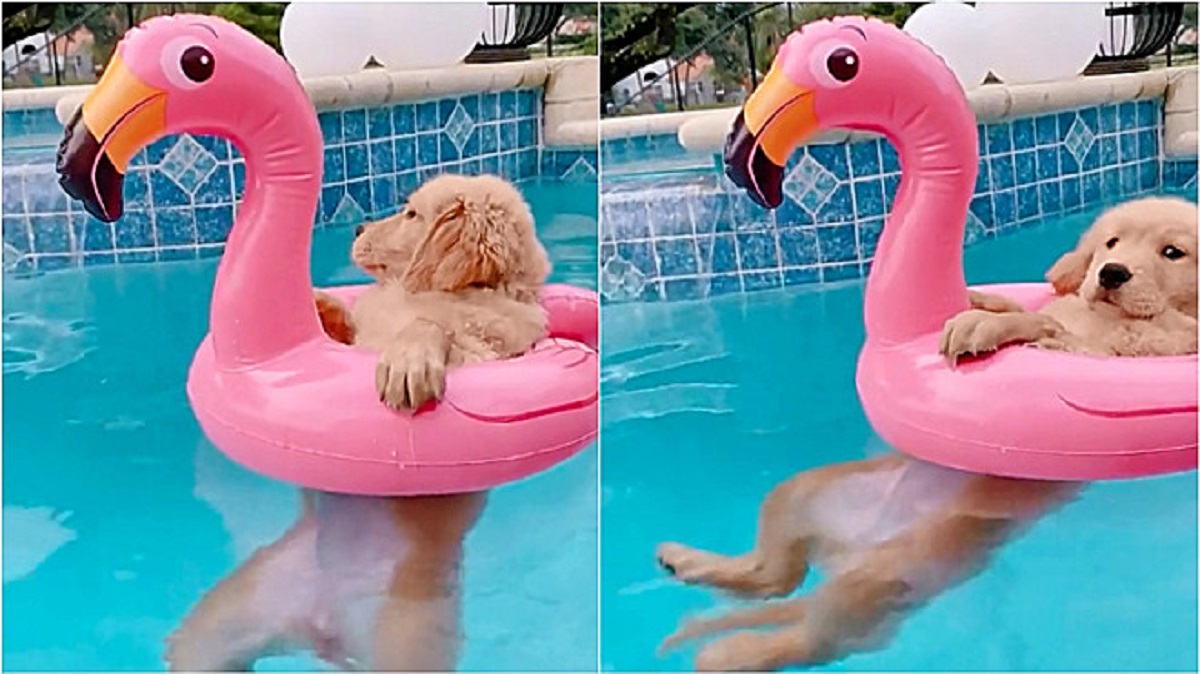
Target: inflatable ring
x,y
1022,412
268,387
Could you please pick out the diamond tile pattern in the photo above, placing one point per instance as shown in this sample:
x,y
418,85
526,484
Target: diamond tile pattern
x,y
188,164
704,237
809,184
459,126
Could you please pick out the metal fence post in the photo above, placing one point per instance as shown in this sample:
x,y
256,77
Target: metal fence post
x,y
750,52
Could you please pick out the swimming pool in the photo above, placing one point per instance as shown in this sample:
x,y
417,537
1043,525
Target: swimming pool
x,y
118,515
708,404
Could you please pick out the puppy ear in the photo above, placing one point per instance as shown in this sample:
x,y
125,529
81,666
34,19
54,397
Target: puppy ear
x,y
1067,274
470,243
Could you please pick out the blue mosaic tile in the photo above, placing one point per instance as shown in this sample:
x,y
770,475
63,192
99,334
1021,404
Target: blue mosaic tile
x,y
757,250
1148,175
864,159
447,151
1110,181
868,198
404,151
762,281
217,189
135,256
213,223
837,243
1047,163
404,119
1025,167
804,276
135,230
508,136
1072,192
641,255
156,151
491,164
471,147
1027,202
838,208
798,247
43,195
981,208
1046,130
217,147
427,116
1129,179
889,157
1003,173
379,123
406,184
670,217
1108,118
724,285
14,197
360,192
427,149
1127,116
489,107
891,185
175,227
1091,188
239,179
1004,205
983,177
92,234
676,257
51,234
176,254
165,193
358,163
137,189
53,262
354,125
869,232
16,232
382,158
331,196
508,104
1147,113
832,158
999,138
1023,134
1050,194
1147,143
331,127
1067,162
527,102
717,254
676,290
383,196
840,272
1127,149
527,132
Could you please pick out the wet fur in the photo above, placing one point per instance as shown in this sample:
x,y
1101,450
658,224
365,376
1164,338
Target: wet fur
x,y
1152,314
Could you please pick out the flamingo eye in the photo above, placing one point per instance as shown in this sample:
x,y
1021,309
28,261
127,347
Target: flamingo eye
x,y
842,64
197,64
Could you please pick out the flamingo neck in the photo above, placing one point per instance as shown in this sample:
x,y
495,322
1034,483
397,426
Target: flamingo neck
x,y
262,303
916,281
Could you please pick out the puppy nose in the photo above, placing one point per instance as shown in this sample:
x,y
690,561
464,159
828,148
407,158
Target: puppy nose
x,y
359,230
1113,275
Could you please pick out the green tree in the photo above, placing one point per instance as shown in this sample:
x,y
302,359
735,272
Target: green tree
x,y
260,18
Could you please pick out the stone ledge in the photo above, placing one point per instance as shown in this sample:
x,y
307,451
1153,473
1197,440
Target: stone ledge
x,y
376,87
705,130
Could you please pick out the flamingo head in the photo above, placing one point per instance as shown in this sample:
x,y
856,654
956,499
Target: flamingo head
x,y
849,73
171,74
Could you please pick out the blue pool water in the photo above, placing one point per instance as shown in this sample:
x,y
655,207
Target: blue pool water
x,y
707,405
118,515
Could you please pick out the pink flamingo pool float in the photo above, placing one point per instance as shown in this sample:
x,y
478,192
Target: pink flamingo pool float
x,y
1022,412
267,386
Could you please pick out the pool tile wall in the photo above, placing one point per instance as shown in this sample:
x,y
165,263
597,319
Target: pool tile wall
x,y
181,192
674,238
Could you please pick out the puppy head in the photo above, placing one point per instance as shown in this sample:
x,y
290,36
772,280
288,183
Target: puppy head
x,y
457,232
1139,256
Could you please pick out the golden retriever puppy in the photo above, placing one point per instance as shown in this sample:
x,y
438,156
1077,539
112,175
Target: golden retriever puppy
x,y
1128,289
894,532
890,533
369,584
373,583
458,273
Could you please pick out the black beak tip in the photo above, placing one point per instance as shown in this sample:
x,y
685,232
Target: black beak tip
x,y
749,167
86,174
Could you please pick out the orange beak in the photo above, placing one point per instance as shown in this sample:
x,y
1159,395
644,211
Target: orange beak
x,y
777,118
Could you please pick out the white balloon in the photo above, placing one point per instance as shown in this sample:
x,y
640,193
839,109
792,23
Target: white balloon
x,y
322,38
955,32
1041,42
427,35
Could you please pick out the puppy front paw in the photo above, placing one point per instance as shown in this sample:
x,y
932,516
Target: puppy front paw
x,y
335,318
969,333
410,374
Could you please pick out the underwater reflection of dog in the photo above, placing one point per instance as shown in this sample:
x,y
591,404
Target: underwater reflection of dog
x,y
374,583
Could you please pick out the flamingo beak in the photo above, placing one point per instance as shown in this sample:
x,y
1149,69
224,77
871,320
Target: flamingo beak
x,y
120,116
774,121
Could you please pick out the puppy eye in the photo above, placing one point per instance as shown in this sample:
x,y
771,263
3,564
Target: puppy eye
x,y
1172,253
409,214
1111,242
